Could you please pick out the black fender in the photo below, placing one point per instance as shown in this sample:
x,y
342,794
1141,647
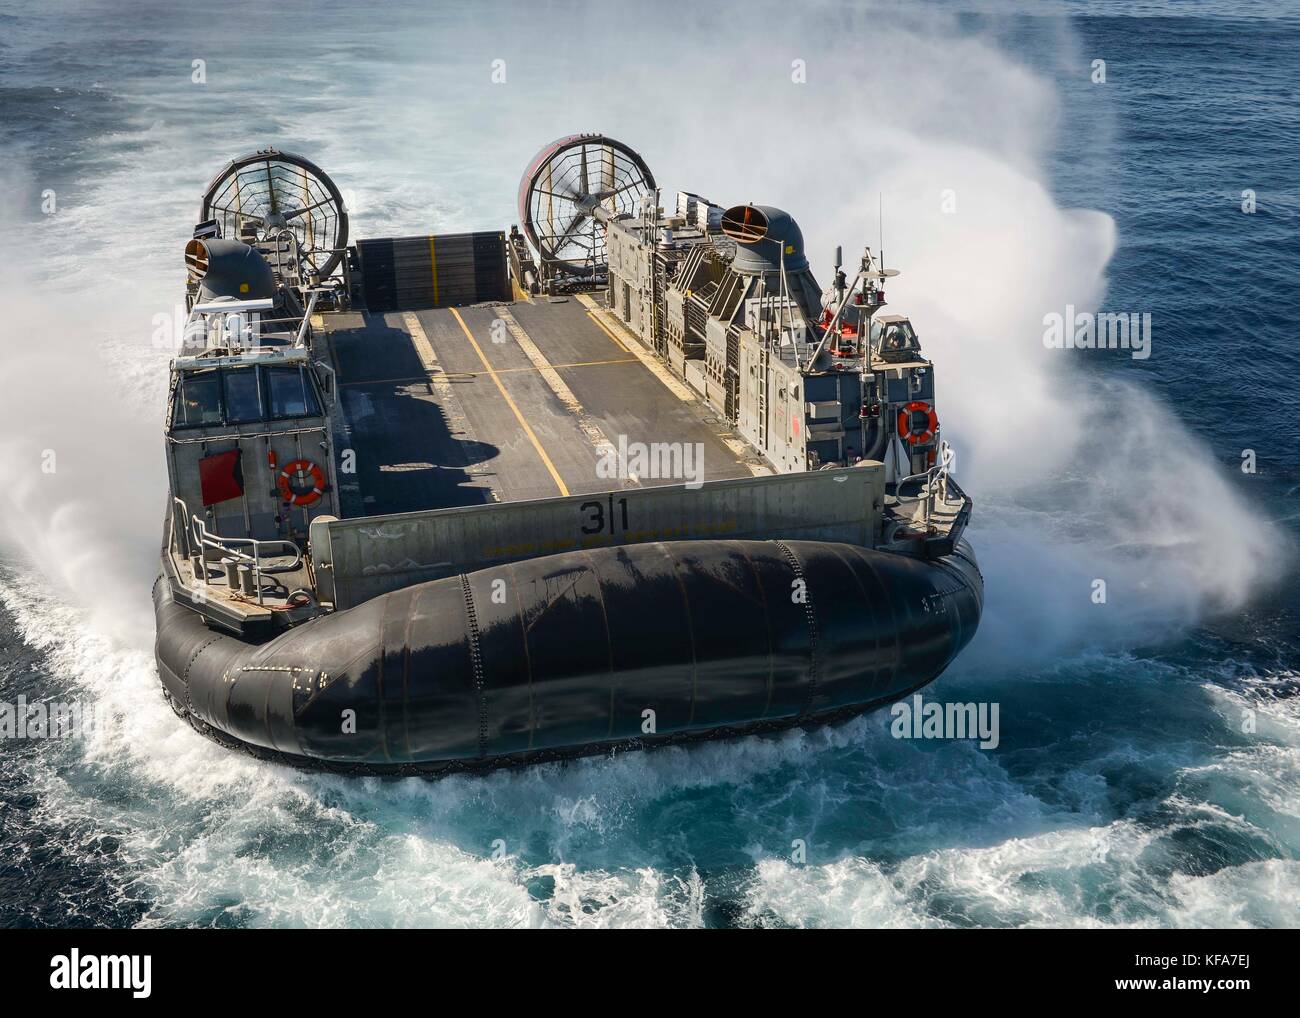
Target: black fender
x,y
576,652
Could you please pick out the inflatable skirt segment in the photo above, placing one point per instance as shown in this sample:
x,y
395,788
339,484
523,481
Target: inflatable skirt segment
x,y
578,653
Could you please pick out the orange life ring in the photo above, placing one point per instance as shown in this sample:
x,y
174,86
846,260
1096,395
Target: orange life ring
x,y
907,429
304,472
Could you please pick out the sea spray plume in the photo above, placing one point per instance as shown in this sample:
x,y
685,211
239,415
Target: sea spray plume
x,y
952,132
83,484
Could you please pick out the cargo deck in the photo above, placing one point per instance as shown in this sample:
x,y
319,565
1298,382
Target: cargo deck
x,y
505,402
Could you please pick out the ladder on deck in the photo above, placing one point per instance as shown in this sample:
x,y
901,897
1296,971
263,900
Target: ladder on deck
x,y
281,252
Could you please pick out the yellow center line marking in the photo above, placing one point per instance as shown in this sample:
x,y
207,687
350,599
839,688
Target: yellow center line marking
x,y
573,364
656,367
532,437
586,423
608,332
652,364
442,373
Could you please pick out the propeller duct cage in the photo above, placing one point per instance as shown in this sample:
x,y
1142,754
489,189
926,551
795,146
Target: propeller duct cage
x,y
568,189
285,204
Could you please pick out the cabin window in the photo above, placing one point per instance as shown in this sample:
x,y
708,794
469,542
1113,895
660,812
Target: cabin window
x,y
199,399
243,395
243,398
290,393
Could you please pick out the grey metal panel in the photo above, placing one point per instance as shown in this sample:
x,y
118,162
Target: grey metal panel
x,y
260,513
373,555
695,376
715,339
674,308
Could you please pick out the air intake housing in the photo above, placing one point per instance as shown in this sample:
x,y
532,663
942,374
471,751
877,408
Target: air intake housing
x,y
228,268
762,234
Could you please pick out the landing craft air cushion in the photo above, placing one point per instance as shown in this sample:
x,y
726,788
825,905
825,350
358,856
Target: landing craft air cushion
x,y
618,477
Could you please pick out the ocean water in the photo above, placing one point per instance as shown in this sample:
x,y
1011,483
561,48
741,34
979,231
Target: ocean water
x,y
1148,769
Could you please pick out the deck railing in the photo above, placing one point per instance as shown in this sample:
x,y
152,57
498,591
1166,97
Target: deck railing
x,y
934,483
244,550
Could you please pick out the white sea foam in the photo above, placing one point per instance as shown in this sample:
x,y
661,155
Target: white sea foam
x,y
1053,880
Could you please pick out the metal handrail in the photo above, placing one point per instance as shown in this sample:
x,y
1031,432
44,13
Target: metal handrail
x,y
306,319
933,479
200,534
333,387
299,323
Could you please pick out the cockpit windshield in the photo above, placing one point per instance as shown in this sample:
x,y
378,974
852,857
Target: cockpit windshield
x,y
198,399
244,394
893,336
243,400
290,392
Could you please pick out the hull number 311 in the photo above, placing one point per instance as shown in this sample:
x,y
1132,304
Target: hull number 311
x,y
608,517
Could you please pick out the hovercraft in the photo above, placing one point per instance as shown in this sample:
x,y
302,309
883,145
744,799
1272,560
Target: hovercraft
x,y
616,478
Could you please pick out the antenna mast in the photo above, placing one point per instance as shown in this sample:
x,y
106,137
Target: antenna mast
x,y
880,220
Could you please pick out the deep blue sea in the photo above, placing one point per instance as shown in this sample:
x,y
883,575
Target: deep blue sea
x,y
1148,768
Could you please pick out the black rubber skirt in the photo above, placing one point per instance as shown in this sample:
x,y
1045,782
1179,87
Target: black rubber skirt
x,y
578,653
